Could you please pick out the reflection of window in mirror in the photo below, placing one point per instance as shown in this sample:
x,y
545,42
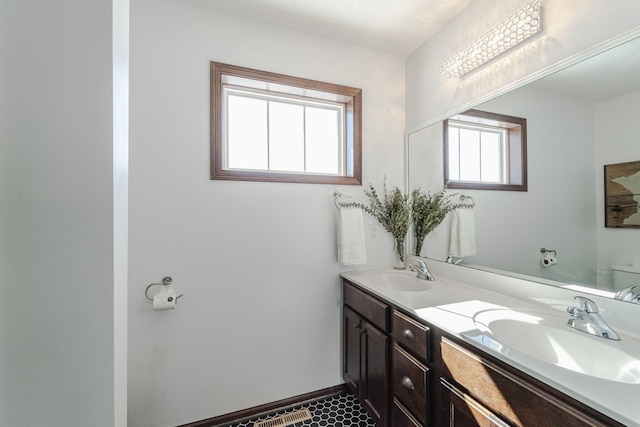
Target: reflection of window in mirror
x,y
485,151
272,127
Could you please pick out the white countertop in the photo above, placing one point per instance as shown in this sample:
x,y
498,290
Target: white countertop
x,y
459,294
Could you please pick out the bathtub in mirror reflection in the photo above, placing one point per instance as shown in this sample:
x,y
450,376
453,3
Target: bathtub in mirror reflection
x,y
579,119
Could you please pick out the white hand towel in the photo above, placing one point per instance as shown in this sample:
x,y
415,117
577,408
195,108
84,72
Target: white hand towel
x,y
463,233
351,241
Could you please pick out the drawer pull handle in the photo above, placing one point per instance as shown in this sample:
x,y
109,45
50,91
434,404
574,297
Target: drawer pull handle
x,y
408,335
407,383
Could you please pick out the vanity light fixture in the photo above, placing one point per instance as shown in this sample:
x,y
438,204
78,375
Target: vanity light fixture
x,y
522,25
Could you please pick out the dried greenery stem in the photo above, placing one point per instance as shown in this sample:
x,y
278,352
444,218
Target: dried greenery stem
x,y
429,210
396,211
393,211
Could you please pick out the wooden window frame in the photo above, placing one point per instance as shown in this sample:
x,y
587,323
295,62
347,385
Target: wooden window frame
x,y
280,83
518,138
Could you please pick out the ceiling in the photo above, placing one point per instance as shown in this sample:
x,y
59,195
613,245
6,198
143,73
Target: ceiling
x,y
396,27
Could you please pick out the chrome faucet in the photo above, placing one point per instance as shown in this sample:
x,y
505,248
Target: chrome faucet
x,y
586,318
421,269
454,260
631,294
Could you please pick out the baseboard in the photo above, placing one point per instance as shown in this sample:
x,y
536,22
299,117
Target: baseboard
x,y
257,411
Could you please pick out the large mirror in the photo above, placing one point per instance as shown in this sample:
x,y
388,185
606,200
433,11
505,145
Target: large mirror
x,y
578,120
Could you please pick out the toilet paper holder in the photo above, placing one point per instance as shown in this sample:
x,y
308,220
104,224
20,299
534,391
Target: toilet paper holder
x,y
166,281
549,257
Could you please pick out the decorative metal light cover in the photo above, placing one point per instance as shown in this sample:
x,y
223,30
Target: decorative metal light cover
x,y
522,25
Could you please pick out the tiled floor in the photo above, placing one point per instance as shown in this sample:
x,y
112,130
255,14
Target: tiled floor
x,y
336,411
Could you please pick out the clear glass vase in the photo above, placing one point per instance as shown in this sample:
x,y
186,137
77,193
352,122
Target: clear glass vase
x,y
419,243
400,255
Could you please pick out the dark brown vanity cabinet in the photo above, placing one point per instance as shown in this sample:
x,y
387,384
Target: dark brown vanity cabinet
x,y
477,392
385,354
366,351
410,374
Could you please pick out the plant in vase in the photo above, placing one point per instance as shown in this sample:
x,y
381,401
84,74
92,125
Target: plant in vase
x,y
393,212
429,210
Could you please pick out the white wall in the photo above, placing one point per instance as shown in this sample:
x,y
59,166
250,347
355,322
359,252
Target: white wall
x,y
57,260
569,28
260,316
617,133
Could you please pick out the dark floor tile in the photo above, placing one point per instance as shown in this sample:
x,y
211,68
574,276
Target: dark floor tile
x,y
336,411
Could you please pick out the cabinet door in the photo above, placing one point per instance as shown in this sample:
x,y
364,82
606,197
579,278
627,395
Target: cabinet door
x,y
400,416
352,331
463,411
510,395
375,384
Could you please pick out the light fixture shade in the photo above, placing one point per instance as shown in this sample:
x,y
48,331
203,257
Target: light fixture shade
x,y
522,25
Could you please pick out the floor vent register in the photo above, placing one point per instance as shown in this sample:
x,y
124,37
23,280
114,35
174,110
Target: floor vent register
x,y
286,420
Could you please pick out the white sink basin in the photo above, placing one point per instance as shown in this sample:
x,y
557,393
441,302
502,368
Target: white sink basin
x,y
399,280
549,339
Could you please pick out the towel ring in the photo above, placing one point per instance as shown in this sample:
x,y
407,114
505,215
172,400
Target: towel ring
x,y
337,195
464,197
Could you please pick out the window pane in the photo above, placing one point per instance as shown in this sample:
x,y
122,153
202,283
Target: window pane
x,y
469,155
491,157
454,153
323,140
286,137
247,133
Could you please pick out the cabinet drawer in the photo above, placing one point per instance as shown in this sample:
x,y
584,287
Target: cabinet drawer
x,y
505,394
372,309
411,334
400,417
410,381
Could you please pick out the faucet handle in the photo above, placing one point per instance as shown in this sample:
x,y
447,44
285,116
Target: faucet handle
x,y
587,305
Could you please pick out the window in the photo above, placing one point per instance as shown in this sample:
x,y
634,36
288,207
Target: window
x,y
485,151
271,127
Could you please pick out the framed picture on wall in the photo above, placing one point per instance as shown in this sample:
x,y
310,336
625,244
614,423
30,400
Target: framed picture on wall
x,y
622,195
